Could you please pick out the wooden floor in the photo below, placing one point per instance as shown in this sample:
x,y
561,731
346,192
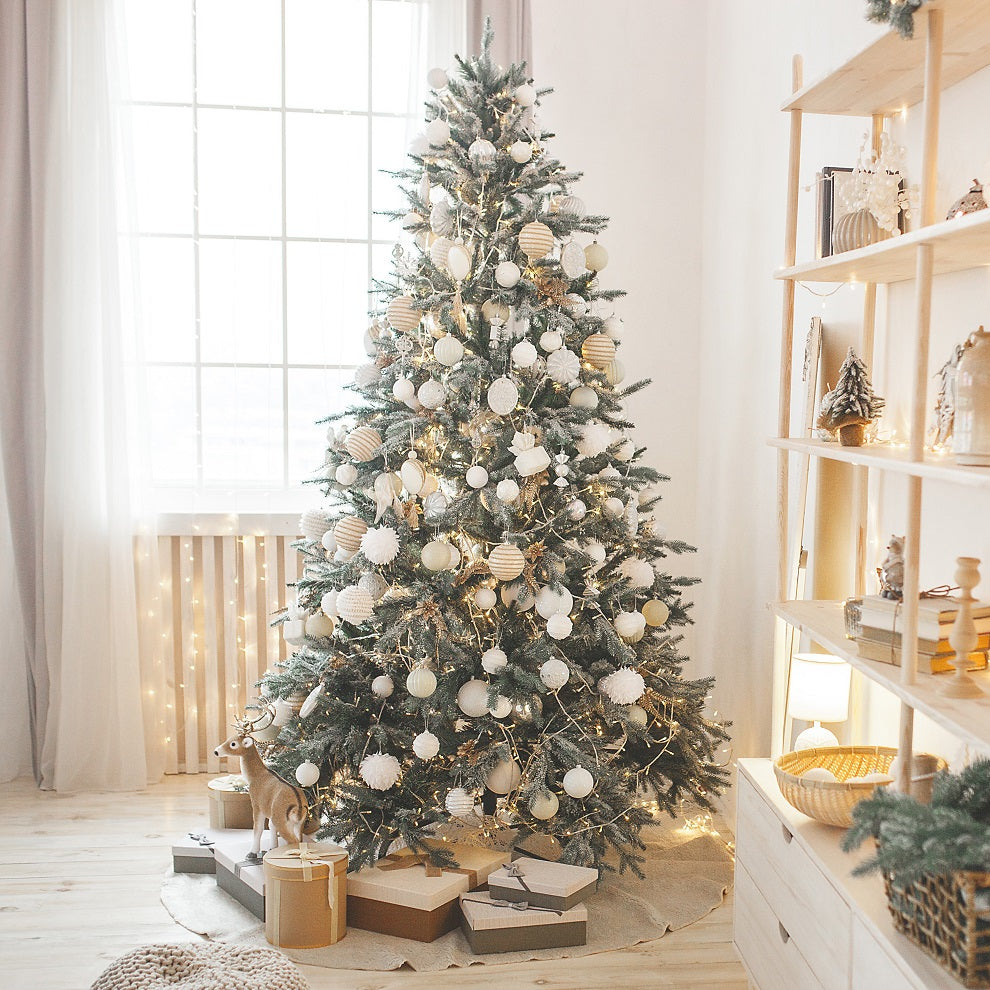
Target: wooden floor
x,y
79,884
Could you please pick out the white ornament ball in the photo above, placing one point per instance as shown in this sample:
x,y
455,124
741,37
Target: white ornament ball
x,y
502,707
637,715
630,626
584,397
459,803
355,605
436,555
493,660
329,603
482,152
366,374
506,562
403,389
655,612
507,274
383,686
476,476
413,475
524,354
525,95
639,572
614,327
550,602
426,745
319,626
521,152
615,372
380,545
595,257
544,806
485,599
448,350
593,439
613,507
551,340
472,698
820,774
439,250
421,682
313,523
431,394
307,774
458,261
342,554
564,366
436,79
502,396
346,475
401,315
437,132
374,584
578,782
575,304
624,450
576,510
625,686
349,532
380,771
536,240
555,673
559,626
507,491
504,777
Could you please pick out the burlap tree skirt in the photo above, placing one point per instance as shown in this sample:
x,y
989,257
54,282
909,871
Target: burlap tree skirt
x,y
686,878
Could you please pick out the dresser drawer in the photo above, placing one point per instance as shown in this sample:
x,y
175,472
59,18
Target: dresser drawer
x,y
771,956
873,968
811,910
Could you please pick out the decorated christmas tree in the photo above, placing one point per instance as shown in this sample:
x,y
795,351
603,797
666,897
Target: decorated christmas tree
x,y
487,628
852,405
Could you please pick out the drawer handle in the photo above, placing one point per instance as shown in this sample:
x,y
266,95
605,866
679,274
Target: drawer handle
x,y
788,834
782,932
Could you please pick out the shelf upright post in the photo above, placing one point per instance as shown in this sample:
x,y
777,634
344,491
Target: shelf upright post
x,y
923,312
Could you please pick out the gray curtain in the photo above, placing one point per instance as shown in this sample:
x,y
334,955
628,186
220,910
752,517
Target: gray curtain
x,y
513,29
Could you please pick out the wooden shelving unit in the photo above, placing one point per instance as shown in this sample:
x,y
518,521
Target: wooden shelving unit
x,y
782,888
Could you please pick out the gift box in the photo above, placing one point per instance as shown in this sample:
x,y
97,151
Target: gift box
x,y
230,803
542,883
495,925
404,895
305,895
193,852
242,878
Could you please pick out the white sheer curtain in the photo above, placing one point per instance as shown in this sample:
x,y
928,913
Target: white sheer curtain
x,y
513,29
63,428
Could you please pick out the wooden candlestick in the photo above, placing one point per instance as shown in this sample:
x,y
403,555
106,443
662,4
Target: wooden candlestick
x,y
963,637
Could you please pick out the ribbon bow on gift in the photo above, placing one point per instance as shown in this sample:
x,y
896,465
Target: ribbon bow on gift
x,y
513,871
513,905
201,838
307,854
397,861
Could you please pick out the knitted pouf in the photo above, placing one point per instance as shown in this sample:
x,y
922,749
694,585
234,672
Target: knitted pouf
x,y
207,966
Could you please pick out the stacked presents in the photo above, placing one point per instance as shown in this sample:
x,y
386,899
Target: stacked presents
x,y
307,900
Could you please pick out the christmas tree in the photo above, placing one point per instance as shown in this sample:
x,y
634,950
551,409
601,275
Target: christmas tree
x,y
852,404
491,633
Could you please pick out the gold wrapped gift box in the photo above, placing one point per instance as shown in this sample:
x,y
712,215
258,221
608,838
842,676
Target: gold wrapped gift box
x,y
306,895
230,802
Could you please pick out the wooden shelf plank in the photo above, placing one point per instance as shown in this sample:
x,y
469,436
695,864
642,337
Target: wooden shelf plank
x,y
887,457
864,894
823,622
960,244
888,75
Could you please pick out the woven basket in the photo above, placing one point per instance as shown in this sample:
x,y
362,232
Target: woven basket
x,y
832,803
948,917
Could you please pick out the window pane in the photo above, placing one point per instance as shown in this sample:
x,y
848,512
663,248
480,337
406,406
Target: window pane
x,y
242,426
240,172
391,56
326,54
163,170
240,287
238,52
172,411
313,394
326,176
168,309
388,152
327,291
159,50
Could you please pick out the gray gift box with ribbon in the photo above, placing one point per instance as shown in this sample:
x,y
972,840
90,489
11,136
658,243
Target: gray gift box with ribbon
x,y
243,878
543,884
491,924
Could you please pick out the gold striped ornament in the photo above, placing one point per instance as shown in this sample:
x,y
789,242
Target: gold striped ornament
x,y
506,562
363,443
615,371
536,240
413,475
348,532
599,350
401,315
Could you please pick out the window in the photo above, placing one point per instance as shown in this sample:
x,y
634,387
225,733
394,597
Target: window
x,y
260,128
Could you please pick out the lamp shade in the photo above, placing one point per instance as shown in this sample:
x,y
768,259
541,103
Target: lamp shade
x,y
819,690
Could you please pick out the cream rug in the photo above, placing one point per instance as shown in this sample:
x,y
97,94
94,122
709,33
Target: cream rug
x,y
686,878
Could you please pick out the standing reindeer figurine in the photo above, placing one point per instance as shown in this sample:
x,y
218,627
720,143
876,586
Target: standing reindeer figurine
x,y
271,797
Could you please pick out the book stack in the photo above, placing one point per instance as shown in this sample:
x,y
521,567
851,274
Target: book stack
x,y
881,625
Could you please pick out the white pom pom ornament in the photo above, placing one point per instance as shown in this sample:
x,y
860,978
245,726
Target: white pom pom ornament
x,y
594,439
507,491
639,572
380,545
426,745
578,782
624,687
555,673
380,771
437,132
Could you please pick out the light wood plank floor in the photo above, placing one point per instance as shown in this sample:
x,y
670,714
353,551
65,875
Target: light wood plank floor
x,y
79,882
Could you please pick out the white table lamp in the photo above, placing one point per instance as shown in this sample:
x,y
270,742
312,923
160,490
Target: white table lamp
x,y
819,692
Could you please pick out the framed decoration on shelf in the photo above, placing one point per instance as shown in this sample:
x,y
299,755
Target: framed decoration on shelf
x,y
830,181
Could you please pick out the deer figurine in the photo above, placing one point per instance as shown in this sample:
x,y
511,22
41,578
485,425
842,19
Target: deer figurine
x,y
271,797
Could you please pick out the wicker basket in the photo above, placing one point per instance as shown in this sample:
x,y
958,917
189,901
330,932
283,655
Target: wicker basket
x,y
832,802
948,917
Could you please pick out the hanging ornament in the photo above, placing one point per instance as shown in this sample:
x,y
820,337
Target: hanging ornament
x,y
559,626
637,716
502,707
502,396
524,354
632,518
438,252
421,682
599,350
572,260
522,441
458,261
313,523
570,206
366,374
436,79
624,451
307,774
349,532
329,603
419,146
550,602
401,315
472,698
525,95
436,555
476,476
507,491
561,470
536,240
431,394
584,397
482,152
312,700
575,305
613,326
426,745
506,562
374,584
564,366
485,599
430,485
354,605
521,152
437,132
551,340
380,545
442,221
593,439
459,803
519,594
625,686
493,310
435,505
493,660
340,554
655,612
544,805
448,350
370,344
345,475
555,673
532,461
615,373
380,771
576,510
613,507
578,782
507,274
505,776
413,474
383,686
638,572
595,257
630,627
411,221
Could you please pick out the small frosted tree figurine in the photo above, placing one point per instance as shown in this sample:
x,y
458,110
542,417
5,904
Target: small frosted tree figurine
x,y
852,405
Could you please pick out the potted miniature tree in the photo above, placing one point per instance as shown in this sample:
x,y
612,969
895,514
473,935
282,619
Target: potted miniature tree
x,y
852,405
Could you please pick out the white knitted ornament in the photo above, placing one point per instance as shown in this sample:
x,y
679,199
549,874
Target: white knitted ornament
x,y
380,771
426,745
313,523
459,803
355,605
